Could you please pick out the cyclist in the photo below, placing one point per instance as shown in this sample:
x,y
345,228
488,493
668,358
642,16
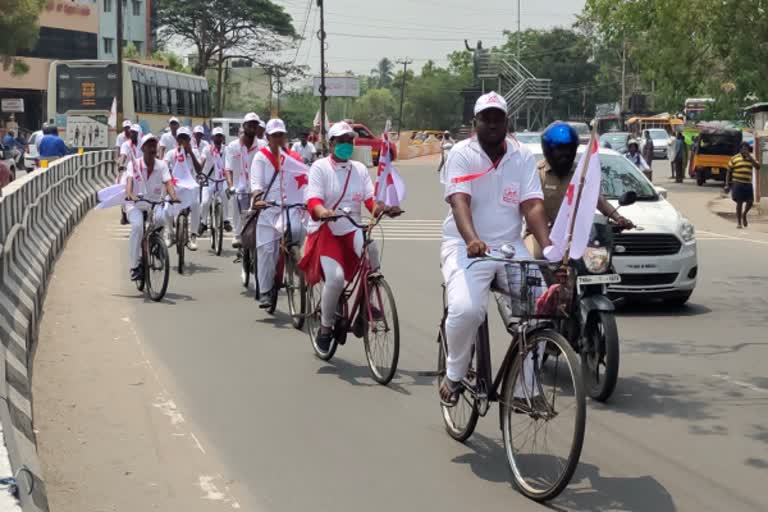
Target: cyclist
x,y
168,139
268,184
305,149
237,164
491,184
213,168
333,250
130,150
149,177
198,143
123,136
185,166
560,143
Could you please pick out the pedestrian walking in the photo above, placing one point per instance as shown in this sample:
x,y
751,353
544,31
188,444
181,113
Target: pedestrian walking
x,y
739,183
648,151
678,157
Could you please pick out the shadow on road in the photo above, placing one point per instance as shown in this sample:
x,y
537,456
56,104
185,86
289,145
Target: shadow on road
x,y
588,490
361,376
642,309
191,269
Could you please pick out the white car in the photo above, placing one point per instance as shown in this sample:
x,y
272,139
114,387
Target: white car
x,y
31,155
660,139
659,259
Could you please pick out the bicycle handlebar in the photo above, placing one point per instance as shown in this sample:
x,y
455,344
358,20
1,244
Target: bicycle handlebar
x,y
274,204
347,216
152,203
512,260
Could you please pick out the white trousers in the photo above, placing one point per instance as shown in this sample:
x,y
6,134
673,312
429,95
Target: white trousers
x,y
268,247
208,194
241,206
334,280
135,216
466,291
190,197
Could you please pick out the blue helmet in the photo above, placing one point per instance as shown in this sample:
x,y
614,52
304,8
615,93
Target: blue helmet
x,y
559,134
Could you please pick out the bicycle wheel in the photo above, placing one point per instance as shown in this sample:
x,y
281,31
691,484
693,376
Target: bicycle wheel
x,y
543,416
219,223
600,357
158,268
213,227
295,290
245,261
461,419
181,239
314,295
381,333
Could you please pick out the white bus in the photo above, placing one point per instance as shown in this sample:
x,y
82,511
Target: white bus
x,y
81,92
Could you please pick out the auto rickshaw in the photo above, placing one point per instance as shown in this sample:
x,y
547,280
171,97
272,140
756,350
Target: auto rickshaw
x,y
711,153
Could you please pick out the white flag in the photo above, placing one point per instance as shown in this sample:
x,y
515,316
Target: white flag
x,y
390,187
295,178
112,121
585,215
111,196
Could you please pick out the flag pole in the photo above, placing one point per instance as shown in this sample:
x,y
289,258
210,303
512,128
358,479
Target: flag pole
x,y
582,180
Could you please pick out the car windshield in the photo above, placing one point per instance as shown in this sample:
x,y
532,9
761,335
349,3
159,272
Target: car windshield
x,y
615,139
528,137
619,176
581,128
658,134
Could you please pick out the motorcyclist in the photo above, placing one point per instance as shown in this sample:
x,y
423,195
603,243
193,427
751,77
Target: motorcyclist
x,y
560,143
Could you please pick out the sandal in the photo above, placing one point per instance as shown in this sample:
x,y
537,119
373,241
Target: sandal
x,y
449,386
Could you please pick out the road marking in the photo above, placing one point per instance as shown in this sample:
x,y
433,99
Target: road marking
x,y
740,383
730,237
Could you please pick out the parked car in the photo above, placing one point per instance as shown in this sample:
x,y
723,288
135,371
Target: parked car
x,y
659,260
528,137
660,139
583,130
618,141
8,158
32,155
365,137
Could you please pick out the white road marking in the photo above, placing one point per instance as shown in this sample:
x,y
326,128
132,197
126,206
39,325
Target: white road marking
x,y
168,407
740,383
730,237
212,492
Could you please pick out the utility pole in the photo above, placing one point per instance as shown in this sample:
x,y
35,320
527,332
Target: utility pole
x,y
405,63
323,99
119,38
623,72
518,30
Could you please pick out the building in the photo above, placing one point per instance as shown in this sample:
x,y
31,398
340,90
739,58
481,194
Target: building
x,y
69,29
136,27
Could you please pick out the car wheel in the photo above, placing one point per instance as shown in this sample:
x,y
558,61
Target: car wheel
x,y
678,299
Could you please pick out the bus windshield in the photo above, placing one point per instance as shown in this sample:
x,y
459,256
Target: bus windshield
x,y
85,87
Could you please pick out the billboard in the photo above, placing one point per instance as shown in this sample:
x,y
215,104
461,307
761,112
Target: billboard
x,y
344,86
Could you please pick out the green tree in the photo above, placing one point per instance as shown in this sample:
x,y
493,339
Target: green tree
x,y
170,59
382,74
433,99
18,24
374,108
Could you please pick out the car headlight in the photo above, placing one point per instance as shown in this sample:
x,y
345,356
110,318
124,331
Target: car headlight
x,y
596,259
687,231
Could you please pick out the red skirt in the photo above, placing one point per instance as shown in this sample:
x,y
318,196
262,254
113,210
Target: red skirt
x,y
324,243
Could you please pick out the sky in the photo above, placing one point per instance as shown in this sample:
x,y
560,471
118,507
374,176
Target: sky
x,y
361,32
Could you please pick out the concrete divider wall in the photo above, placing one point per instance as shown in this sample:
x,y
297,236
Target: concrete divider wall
x,y
37,213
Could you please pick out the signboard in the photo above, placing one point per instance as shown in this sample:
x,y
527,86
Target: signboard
x,y
344,86
87,132
12,105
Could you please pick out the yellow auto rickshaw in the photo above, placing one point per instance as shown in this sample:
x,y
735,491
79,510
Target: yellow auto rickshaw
x,y
712,150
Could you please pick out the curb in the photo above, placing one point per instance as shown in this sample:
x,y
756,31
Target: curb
x,y
36,218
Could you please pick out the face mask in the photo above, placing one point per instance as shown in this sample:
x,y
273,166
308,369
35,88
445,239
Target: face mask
x,y
343,150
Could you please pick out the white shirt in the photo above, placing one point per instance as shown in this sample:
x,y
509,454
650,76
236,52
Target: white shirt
x,y
496,196
214,162
326,182
131,151
262,172
120,139
199,149
238,161
152,187
307,152
180,164
167,141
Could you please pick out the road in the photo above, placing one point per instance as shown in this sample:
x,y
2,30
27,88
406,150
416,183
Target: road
x,y
284,431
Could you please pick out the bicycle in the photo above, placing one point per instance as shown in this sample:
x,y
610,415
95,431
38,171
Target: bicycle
x,y
368,318
288,275
519,385
215,212
155,264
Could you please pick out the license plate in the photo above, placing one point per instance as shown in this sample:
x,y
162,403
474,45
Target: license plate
x,y
604,279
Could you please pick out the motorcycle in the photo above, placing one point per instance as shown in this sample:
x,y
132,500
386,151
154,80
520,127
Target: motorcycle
x,y
590,325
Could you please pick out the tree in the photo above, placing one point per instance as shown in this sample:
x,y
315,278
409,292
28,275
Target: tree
x,y
382,74
374,108
170,59
219,28
18,24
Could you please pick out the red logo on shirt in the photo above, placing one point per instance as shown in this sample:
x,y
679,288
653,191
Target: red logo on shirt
x,y
510,196
357,197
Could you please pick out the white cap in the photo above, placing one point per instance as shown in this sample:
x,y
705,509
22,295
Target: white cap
x,y
251,116
198,129
339,129
218,131
173,120
148,137
127,123
490,100
184,130
276,126
136,128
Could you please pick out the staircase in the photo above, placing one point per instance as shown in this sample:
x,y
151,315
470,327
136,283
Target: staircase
x,y
527,96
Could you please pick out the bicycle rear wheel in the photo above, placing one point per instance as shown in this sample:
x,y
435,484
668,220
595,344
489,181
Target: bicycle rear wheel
x,y
461,419
158,268
314,296
213,228
245,261
219,223
295,290
543,416
181,239
381,332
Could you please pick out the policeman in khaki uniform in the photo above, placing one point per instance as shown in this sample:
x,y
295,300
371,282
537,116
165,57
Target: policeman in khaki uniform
x,y
560,143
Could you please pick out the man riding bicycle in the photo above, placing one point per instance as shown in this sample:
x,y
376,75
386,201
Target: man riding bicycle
x,y
184,167
268,184
491,184
333,250
149,178
213,169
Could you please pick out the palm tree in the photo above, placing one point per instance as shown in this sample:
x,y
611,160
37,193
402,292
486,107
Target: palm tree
x,y
382,73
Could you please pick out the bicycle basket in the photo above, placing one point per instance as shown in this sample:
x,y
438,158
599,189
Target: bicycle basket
x,y
530,297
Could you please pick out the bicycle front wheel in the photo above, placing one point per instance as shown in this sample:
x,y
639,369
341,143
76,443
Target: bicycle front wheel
x,y
213,228
158,268
219,223
461,419
543,416
314,297
245,261
295,290
381,331
181,239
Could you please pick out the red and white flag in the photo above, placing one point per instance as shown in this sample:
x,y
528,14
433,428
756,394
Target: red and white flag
x,y
390,187
295,178
585,215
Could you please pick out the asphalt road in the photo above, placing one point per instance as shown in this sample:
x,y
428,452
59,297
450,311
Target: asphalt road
x,y
685,430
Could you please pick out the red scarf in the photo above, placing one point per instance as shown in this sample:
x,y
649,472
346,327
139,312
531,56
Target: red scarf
x,y
474,176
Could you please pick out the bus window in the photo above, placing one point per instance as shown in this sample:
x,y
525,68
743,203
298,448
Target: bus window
x,y
164,102
234,130
174,102
193,103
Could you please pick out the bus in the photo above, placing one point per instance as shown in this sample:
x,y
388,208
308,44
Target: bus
x,y
81,93
695,107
